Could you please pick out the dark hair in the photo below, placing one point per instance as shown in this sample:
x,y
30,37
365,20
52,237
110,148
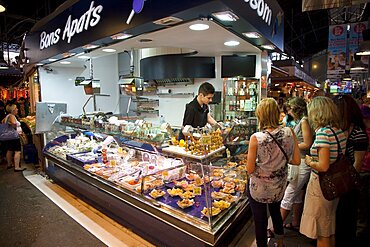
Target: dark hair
x,y
298,106
349,112
206,88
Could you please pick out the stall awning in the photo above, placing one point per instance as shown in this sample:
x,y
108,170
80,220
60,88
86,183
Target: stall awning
x,y
292,74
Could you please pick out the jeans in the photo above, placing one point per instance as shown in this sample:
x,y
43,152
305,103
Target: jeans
x,y
259,211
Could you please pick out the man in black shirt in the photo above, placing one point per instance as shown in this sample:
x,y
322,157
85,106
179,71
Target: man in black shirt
x,y
197,111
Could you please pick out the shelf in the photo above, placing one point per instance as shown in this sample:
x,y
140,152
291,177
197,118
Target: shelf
x,y
175,94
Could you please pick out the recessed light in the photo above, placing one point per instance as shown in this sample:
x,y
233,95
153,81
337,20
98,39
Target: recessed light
x,y
268,47
90,46
70,79
199,27
232,43
52,59
226,16
252,35
121,36
84,57
65,62
109,50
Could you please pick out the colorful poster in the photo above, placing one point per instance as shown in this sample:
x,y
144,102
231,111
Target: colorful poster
x,y
337,47
308,5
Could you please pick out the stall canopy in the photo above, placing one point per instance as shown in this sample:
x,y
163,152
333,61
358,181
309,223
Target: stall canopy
x,y
287,71
77,23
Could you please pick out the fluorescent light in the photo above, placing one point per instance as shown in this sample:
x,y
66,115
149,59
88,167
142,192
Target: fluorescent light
x,y
121,36
199,27
109,50
252,35
232,43
89,46
4,67
52,59
363,53
39,64
84,57
226,16
65,62
268,47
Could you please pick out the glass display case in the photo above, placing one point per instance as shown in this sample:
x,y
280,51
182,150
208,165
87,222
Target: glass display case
x,y
196,201
240,98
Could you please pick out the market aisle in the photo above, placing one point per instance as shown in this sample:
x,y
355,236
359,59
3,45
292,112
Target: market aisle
x,y
28,217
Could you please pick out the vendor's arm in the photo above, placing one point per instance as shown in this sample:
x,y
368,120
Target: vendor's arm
x,y
211,120
252,154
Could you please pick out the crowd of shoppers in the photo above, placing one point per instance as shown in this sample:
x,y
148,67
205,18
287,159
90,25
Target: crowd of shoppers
x,y
310,142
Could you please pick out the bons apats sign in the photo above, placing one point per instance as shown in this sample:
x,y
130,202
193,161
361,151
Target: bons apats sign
x,y
73,26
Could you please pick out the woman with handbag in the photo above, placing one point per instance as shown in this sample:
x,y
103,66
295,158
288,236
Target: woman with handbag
x,y
318,218
357,142
15,144
294,193
269,152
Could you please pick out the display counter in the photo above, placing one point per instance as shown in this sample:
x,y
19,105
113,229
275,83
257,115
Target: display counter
x,y
167,200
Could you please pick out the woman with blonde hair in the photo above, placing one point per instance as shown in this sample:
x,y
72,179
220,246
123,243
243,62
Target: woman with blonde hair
x,y
13,145
318,218
269,152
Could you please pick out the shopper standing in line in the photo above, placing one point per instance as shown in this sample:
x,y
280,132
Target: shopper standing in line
x,y
13,145
197,111
352,123
318,218
294,193
269,151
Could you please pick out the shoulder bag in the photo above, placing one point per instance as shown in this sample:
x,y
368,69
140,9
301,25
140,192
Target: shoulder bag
x,y
281,148
340,178
7,132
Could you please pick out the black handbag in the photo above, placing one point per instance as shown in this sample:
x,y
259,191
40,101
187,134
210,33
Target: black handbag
x,y
340,178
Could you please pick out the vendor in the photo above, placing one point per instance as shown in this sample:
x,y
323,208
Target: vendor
x,y
197,111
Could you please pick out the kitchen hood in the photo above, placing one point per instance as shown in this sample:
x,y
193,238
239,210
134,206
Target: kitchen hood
x,y
174,81
130,78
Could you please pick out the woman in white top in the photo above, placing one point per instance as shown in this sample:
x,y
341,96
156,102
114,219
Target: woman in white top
x,y
13,145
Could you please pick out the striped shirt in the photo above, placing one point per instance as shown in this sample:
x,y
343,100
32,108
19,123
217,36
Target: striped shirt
x,y
326,139
357,141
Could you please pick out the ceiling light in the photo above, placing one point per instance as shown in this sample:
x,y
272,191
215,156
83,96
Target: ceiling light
x,y
268,47
90,46
39,64
357,65
226,16
2,7
65,62
84,57
121,36
252,35
199,27
364,48
109,50
52,59
232,43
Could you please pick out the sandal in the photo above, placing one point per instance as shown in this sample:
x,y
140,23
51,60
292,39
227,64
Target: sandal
x,y
270,233
290,227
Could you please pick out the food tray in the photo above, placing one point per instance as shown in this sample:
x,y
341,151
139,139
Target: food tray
x,y
176,150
